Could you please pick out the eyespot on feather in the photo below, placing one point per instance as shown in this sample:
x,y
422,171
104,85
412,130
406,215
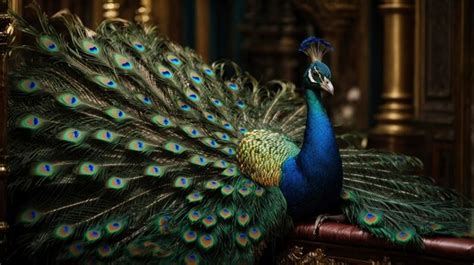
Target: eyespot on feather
x,y
44,169
48,43
165,72
64,231
116,183
174,60
123,62
69,100
138,46
106,82
90,47
31,122
28,86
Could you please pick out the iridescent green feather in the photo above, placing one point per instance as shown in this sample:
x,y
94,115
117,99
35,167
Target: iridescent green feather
x,y
106,136
64,231
90,47
48,44
45,169
88,169
182,182
69,100
106,82
28,86
30,121
162,121
72,135
117,114
123,62
114,227
155,170
116,183
199,160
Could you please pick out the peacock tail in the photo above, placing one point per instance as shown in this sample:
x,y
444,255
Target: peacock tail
x,y
385,196
122,147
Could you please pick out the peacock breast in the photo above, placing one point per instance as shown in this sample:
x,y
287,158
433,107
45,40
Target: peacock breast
x,y
261,154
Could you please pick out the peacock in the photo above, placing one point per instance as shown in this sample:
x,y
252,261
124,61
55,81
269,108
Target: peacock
x,y
126,148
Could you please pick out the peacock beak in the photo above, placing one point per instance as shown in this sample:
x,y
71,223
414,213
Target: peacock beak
x,y
327,86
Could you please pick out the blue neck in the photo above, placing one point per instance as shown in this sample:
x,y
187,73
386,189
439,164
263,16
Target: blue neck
x,y
312,181
319,143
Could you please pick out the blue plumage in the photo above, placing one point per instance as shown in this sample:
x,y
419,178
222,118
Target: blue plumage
x,y
315,174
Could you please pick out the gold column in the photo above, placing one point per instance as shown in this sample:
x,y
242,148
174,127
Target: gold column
x,y
394,130
144,12
397,96
111,9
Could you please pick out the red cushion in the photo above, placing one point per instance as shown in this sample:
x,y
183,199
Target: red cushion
x,y
347,234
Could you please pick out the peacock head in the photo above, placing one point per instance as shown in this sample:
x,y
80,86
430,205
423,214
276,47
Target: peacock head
x,y
318,74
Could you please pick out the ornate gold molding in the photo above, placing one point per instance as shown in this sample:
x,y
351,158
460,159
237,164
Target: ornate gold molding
x,y
396,6
6,32
144,12
111,9
297,255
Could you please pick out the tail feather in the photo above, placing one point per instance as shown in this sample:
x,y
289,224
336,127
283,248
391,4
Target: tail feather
x,y
124,145
382,195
